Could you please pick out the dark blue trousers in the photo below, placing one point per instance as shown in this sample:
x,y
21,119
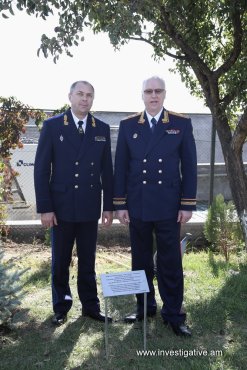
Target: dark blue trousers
x,y
169,265
64,235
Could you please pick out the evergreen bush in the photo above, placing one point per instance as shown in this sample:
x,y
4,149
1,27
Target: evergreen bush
x,y
222,228
10,291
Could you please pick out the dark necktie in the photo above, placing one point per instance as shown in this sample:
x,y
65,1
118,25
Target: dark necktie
x,y
154,123
80,129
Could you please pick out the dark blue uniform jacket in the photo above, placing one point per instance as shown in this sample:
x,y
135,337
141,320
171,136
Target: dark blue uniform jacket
x,y
70,174
155,173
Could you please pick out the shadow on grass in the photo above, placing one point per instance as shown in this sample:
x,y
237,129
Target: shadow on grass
x,y
219,324
217,266
41,346
222,321
41,276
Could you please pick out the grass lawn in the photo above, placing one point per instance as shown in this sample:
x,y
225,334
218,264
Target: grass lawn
x,y
215,302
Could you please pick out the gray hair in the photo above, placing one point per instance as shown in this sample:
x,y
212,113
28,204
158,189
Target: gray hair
x,y
72,87
153,78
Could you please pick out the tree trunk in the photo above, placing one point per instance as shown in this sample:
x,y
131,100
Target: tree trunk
x,y
238,185
235,171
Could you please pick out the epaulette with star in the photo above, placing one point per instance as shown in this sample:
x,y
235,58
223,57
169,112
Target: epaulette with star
x,y
131,116
178,114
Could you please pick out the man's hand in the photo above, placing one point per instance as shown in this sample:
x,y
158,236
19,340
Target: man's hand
x,y
123,216
48,219
107,217
184,216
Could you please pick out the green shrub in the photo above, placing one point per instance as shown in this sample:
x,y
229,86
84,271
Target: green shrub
x,y
13,117
48,237
222,228
10,291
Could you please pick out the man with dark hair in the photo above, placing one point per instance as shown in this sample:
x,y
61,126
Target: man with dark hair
x,y
73,166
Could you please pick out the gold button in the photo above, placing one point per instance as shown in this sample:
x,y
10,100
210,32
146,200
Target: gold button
x,y
76,186
144,182
76,175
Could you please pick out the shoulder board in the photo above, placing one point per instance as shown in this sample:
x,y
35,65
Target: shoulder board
x,y
178,114
132,116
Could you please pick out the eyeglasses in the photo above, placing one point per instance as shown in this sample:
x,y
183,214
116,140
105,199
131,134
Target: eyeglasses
x,y
156,91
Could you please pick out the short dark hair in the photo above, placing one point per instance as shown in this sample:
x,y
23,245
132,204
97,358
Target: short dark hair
x,y
84,82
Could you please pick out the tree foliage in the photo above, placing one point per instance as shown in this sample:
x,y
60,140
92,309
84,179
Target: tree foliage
x,y
13,117
203,35
61,109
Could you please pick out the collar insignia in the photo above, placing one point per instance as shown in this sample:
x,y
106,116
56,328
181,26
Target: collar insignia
x,y
93,122
141,119
165,119
65,120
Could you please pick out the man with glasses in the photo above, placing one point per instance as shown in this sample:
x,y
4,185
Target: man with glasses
x,y
73,167
154,193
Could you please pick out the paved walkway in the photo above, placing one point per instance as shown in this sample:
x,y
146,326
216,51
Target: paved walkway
x,y
200,215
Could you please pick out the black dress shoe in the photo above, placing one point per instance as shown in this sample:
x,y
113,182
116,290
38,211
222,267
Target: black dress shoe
x,y
130,319
179,329
59,318
97,315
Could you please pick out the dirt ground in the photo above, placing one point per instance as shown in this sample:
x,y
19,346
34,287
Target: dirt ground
x,y
12,249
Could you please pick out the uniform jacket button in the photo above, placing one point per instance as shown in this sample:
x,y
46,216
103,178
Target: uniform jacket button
x,y
76,186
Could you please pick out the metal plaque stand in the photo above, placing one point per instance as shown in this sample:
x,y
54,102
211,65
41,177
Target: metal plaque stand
x,y
126,283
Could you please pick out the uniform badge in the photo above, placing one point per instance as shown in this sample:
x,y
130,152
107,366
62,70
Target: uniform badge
x,y
61,138
135,136
172,132
100,138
